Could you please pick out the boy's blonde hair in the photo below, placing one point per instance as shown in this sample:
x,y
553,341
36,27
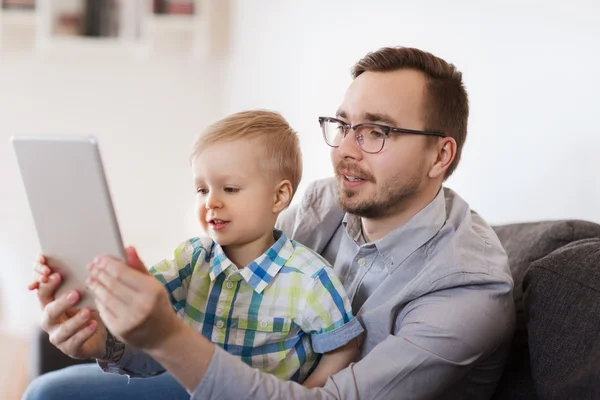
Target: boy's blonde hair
x,y
282,155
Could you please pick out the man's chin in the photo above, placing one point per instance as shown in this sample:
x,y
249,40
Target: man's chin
x,y
350,204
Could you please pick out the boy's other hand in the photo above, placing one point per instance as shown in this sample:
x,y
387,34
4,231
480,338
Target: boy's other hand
x,y
41,272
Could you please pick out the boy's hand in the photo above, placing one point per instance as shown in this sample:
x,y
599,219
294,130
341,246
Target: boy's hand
x,y
41,272
77,333
134,305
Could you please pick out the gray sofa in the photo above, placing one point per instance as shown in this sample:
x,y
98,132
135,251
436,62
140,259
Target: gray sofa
x,y
556,348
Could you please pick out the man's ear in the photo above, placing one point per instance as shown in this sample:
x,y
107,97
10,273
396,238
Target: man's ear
x,y
283,196
446,151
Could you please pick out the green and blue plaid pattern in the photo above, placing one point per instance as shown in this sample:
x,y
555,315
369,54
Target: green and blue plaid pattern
x,y
278,313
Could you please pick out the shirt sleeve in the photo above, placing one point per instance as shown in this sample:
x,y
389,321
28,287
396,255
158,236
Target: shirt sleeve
x,y
327,314
134,363
440,338
175,272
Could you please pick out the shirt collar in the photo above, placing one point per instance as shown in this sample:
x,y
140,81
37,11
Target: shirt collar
x,y
353,226
260,272
412,235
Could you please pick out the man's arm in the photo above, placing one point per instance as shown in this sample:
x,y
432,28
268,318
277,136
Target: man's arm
x,y
441,336
174,273
130,362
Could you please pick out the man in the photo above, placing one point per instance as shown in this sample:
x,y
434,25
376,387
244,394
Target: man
x,y
427,277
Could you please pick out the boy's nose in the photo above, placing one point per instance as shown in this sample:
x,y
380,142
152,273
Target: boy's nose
x,y
213,202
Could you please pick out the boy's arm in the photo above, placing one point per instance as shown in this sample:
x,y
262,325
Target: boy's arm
x,y
331,363
327,316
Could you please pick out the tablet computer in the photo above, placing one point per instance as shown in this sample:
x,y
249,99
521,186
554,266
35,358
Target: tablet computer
x,y
71,205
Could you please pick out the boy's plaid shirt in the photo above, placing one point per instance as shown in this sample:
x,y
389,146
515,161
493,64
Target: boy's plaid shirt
x,y
278,313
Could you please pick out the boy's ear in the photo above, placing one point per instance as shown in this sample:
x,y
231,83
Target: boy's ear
x,y
283,196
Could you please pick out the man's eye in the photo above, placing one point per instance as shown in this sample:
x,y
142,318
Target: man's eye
x,y
376,134
231,190
202,191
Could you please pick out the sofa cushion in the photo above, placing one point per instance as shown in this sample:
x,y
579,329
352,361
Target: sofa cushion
x,y
528,242
562,307
525,243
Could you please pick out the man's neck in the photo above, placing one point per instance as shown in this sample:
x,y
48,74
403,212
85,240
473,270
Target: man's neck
x,y
374,229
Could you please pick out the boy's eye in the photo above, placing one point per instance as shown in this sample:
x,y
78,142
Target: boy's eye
x,y
231,190
201,191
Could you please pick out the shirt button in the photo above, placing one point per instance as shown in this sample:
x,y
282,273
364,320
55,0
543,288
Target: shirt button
x,y
264,324
229,285
361,262
220,324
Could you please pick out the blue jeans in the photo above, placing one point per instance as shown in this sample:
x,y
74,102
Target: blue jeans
x,y
88,382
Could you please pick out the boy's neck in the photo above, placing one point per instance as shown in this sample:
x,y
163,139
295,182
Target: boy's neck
x,y
243,254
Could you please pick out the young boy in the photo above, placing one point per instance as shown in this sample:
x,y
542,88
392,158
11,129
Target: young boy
x,y
247,287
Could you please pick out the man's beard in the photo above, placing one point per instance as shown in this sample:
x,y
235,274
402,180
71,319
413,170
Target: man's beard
x,y
387,198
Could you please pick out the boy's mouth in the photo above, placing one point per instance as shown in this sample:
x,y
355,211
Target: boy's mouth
x,y
217,224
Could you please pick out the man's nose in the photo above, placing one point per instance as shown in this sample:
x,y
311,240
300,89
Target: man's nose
x,y
348,148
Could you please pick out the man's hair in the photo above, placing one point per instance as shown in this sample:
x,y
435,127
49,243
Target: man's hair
x,y
281,147
446,107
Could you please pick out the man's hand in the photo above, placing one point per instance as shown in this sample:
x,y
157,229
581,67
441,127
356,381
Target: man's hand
x,y
79,333
134,305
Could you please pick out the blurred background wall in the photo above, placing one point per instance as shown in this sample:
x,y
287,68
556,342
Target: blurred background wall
x,y
530,68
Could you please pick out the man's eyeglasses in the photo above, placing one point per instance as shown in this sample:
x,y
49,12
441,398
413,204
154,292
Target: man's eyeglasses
x,y
369,137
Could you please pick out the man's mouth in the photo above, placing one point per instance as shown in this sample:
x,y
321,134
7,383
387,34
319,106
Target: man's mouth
x,y
352,178
352,175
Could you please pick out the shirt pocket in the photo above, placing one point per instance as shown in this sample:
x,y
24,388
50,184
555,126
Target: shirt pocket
x,y
261,331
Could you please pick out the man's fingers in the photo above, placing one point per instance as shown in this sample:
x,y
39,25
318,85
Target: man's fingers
x,y
133,259
109,305
75,342
70,327
55,309
112,286
106,311
105,290
119,271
